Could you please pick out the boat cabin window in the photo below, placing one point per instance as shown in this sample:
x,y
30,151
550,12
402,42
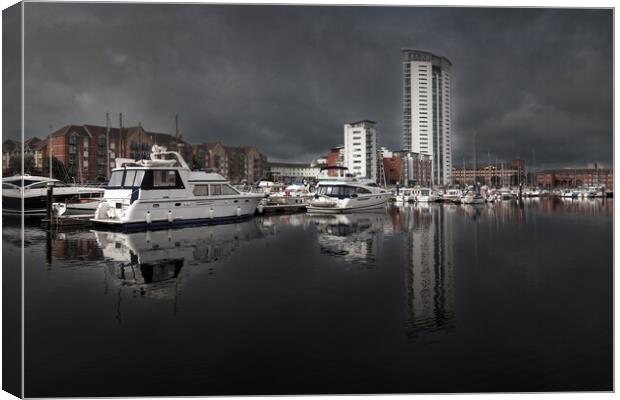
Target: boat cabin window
x,y
215,190
18,182
161,179
201,190
164,179
8,186
130,178
40,185
362,190
336,191
228,190
116,180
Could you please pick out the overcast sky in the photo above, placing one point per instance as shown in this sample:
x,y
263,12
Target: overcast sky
x,y
286,78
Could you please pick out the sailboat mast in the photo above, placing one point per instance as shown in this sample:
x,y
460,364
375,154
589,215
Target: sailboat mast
x,y
475,163
49,150
107,146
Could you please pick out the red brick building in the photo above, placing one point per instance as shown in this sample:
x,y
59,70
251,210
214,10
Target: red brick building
x,y
576,177
82,148
392,166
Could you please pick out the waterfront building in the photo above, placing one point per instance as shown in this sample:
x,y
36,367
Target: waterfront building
x,y
417,169
335,158
245,164
287,172
360,149
212,156
37,149
575,177
508,174
392,167
82,148
427,110
11,149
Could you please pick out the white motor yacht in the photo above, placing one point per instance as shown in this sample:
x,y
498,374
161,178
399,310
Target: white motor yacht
x,y
33,190
570,193
161,192
346,194
453,195
425,195
405,195
473,197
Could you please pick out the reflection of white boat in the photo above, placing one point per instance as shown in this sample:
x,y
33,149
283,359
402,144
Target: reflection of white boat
x,y
345,195
162,192
33,189
352,237
152,259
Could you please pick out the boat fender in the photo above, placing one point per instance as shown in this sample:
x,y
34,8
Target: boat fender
x,y
148,217
238,211
169,215
211,213
260,208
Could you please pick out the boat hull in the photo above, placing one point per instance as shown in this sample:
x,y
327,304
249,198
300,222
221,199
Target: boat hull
x,y
155,225
153,214
374,201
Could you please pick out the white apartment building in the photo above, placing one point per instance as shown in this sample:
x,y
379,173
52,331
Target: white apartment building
x,y
288,171
427,110
360,149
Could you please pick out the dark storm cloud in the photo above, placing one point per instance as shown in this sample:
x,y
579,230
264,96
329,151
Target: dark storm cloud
x,y
286,78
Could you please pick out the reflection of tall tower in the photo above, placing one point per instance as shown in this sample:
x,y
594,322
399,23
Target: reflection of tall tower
x,y
429,276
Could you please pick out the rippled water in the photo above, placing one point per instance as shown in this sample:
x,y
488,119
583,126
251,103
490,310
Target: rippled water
x,y
435,298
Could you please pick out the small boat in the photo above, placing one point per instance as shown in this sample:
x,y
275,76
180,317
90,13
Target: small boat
x,y
425,195
161,192
346,194
473,197
453,195
290,195
405,195
33,190
570,193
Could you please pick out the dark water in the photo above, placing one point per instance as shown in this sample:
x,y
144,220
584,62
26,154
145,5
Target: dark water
x,y
438,298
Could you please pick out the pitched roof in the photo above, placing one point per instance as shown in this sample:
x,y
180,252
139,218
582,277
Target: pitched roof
x,y
10,145
39,145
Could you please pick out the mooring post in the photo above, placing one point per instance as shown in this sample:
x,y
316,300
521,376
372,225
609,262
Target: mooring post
x,y
50,200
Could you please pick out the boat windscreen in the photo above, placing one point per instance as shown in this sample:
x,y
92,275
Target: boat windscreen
x,y
116,180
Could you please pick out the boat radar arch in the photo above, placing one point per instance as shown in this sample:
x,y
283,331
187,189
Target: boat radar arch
x,y
157,153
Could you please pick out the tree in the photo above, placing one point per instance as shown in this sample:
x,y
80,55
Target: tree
x,y
197,163
15,164
58,169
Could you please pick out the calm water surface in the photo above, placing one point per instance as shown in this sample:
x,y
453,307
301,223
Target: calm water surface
x,y
431,298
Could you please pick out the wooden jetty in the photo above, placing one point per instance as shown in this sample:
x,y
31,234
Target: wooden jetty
x,y
68,221
281,208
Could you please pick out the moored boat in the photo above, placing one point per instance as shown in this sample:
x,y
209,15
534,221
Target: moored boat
x,y
160,192
33,190
347,194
